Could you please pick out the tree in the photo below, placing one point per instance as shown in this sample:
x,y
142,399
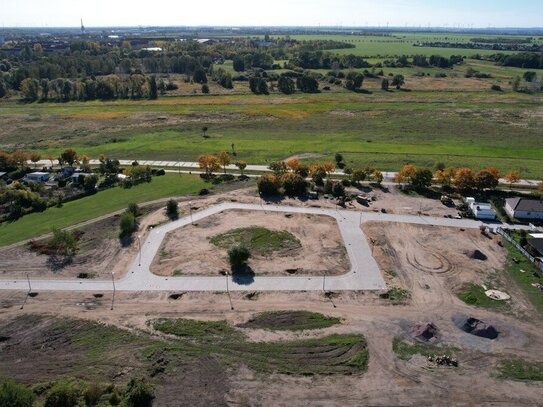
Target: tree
x,y
487,179
30,89
3,88
516,83
512,178
464,178
293,164
153,90
307,84
241,165
134,209
444,176
338,190
127,224
35,157
205,89
68,157
278,168
293,184
422,178
15,395
89,183
358,175
239,64
407,172
286,85
398,81
329,167
139,393
204,130
354,81
339,158
209,163
224,160
378,176
529,76
385,84
199,75
238,256
20,158
267,185
172,209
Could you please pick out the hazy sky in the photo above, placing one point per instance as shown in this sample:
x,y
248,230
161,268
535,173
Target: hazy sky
x,y
479,13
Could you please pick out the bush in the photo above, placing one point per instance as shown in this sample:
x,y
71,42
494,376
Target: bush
x,y
63,242
139,393
172,209
238,256
294,184
338,190
127,224
15,395
63,394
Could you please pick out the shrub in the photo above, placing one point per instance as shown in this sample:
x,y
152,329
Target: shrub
x,y
127,224
134,209
497,88
338,190
294,184
15,395
139,393
63,394
238,256
172,209
63,242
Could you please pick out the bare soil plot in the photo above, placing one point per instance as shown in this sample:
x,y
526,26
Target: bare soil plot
x,y
188,251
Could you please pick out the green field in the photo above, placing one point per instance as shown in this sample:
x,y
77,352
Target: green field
x,y
386,130
102,203
397,44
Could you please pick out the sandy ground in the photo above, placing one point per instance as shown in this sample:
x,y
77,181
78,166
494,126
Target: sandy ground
x,y
435,263
187,251
101,252
389,381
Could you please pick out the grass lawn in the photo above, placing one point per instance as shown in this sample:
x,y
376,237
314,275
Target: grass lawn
x,y
525,278
407,349
516,369
290,321
93,206
475,295
258,240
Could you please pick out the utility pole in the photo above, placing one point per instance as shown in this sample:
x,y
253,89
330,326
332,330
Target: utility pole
x,y
139,244
113,282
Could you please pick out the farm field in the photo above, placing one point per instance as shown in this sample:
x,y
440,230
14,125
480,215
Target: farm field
x,y
384,129
94,206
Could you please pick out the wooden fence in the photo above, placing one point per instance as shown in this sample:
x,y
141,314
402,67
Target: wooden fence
x,y
536,262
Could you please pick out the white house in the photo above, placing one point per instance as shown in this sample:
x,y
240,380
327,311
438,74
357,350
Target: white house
x,y
521,208
36,177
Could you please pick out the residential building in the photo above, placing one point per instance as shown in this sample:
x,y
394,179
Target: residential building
x,y
525,209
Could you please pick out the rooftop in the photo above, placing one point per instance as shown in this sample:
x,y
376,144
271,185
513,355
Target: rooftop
x,y
537,244
528,205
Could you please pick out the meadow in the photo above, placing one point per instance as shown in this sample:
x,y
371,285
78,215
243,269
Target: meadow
x,y
384,129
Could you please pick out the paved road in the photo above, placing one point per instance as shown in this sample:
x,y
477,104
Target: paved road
x,y
364,273
188,165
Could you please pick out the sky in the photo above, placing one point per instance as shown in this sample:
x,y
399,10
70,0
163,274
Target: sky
x,y
237,13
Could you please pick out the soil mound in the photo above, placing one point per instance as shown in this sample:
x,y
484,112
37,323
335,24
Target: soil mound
x,y
426,332
477,327
478,255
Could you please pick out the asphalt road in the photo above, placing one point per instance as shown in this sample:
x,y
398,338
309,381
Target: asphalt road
x,y
363,275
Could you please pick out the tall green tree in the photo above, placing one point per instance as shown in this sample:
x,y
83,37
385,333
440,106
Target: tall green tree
x,y
153,90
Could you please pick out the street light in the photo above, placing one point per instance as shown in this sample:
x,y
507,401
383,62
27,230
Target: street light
x,y
228,291
113,282
190,211
139,244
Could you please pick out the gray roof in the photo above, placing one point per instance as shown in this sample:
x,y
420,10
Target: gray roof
x,y
536,244
527,205
2,174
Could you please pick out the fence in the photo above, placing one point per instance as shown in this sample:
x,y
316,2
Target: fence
x,y
521,249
